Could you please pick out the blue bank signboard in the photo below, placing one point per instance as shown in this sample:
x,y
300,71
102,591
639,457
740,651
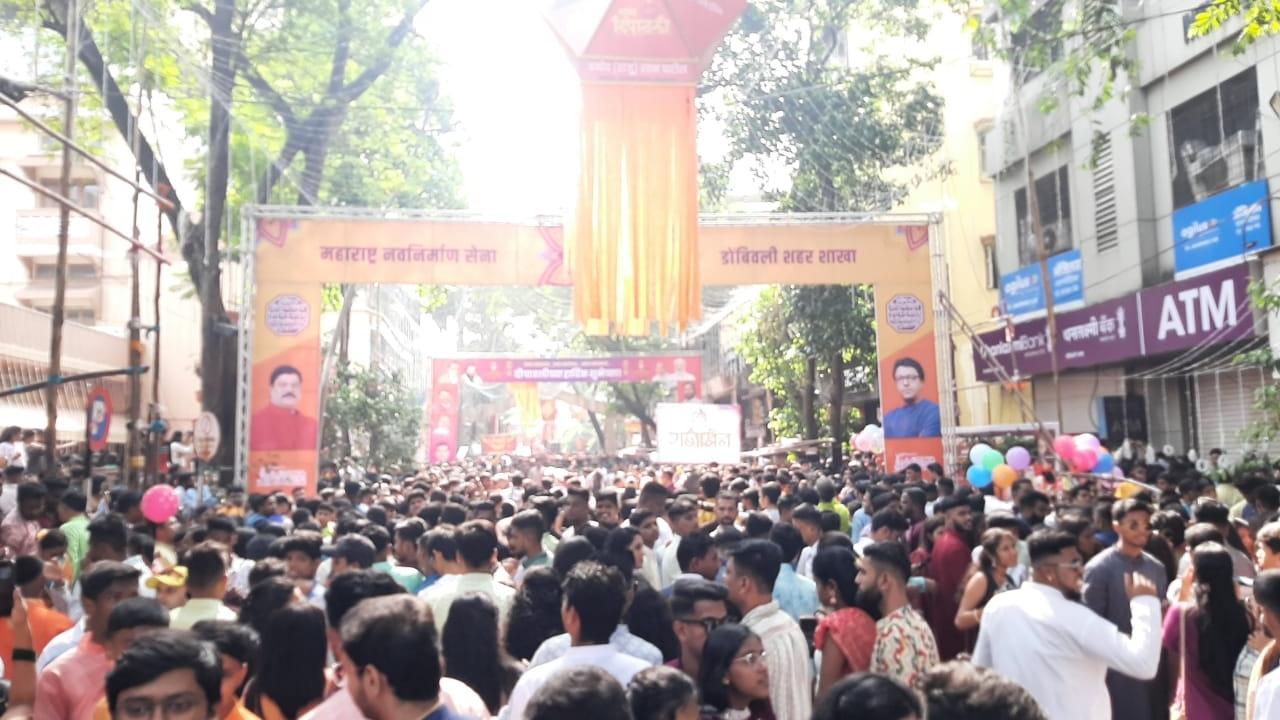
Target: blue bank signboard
x,y
1022,291
1216,231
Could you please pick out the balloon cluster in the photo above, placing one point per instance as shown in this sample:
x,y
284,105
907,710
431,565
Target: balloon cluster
x,y
990,466
869,439
1084,453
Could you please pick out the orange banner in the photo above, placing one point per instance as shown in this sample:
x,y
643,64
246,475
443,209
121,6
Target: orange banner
x,y
456,251
284,427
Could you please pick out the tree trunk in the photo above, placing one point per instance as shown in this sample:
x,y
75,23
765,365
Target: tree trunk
x,y
807,400
595,423
218,351
837,411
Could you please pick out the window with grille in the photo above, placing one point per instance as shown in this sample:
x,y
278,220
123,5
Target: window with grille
x,y
1216,140
1104,194
1053,200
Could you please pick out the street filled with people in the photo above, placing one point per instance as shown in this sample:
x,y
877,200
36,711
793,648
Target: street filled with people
x,y
608,589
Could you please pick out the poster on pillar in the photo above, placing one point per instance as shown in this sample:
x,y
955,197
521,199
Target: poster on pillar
x,y
284,429
909,402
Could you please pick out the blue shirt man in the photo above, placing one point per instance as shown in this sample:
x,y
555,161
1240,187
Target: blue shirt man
x,y
918,417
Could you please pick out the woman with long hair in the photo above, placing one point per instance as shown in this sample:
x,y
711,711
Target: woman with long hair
x,y
1213,628
535,613
847,633
471,653
999,555
627,541
290,678
920,557
734,679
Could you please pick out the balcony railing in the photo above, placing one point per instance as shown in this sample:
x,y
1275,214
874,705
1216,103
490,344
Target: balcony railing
x,y
35,232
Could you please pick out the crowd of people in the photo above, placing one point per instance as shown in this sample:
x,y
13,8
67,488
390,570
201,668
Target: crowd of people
x,y
621,591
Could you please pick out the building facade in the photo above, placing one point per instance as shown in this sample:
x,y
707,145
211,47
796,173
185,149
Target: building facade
x,y
953,185
98,290
1150,233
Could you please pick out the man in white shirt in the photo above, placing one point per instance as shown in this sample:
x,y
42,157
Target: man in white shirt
x,y
594,598
684,522
808,520
1042,637
477,551
752,570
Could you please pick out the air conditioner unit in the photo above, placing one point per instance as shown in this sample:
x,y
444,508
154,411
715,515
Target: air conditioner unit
x,y
1057,238
1214,168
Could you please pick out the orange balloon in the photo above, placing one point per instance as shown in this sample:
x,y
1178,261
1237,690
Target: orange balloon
x,y
1127,490
1004,476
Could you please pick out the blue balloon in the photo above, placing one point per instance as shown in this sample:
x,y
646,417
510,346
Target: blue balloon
x,y
1105,463
979,476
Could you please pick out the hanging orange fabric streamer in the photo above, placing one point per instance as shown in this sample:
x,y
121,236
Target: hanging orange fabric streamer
x,y
632,240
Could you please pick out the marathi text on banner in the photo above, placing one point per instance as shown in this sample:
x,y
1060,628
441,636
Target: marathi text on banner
x,y
698,433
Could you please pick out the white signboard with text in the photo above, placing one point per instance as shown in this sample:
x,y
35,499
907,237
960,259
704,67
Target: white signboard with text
x,y
699,433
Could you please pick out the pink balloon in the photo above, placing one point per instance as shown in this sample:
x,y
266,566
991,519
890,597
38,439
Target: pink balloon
x,y
160,503
1086,440
862,442
1065,447
1085,460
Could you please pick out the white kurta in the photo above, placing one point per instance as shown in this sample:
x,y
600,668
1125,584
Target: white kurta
x,y
787,657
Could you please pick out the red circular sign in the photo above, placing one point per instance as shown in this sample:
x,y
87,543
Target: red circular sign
x,y
98,417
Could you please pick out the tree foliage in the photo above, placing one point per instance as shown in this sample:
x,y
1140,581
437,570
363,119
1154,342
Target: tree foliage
x,y
805,341
787,95
1265,427
371,413
280,100
790,93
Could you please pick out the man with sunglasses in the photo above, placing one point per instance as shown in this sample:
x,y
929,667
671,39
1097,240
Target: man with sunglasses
x,y
697,608
1105,594
1043,638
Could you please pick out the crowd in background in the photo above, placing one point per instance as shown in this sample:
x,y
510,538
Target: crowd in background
x,y
609,589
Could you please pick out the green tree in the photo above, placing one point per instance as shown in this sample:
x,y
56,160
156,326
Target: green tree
x,y
1265,427
803,341
786,97
276,92
373,414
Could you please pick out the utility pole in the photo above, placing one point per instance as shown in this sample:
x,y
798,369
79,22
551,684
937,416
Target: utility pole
x,y
1046,286
64,228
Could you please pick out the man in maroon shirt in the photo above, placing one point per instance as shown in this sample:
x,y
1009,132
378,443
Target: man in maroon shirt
x,y
279,425
947,568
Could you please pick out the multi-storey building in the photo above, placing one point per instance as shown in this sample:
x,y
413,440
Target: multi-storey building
x,y
1148,229
98,290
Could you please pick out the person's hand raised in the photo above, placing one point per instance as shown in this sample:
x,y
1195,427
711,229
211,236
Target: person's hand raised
x,y
1137,585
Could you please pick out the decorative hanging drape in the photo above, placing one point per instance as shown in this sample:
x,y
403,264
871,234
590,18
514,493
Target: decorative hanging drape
x,y
632,238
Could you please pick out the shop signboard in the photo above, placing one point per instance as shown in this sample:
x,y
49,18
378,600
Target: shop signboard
x,y
1022,291
1218,230
1207,309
